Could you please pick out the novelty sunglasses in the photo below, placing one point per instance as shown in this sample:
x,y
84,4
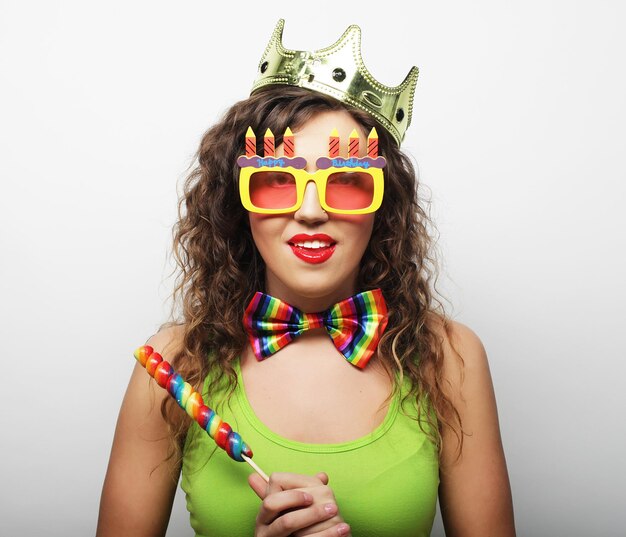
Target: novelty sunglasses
x,y
276,185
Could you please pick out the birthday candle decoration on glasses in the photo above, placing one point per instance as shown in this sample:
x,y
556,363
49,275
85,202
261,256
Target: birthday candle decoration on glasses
x,y
333,144
353,144
191,401
288,147
268,144
372,144
250,143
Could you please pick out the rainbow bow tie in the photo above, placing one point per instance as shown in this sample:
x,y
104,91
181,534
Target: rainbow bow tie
x,y
355,324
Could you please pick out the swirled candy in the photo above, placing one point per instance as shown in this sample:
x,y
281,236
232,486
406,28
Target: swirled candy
x,y
191,401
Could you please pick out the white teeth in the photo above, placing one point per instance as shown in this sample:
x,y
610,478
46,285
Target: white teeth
x,y
312,244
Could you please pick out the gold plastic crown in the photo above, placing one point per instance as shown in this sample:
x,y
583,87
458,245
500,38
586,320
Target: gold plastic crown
x,y
339,71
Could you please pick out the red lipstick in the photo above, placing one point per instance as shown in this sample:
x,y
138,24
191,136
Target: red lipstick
x,y
309,249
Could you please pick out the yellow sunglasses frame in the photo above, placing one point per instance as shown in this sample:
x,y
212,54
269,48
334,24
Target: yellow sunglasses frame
x,y
302,177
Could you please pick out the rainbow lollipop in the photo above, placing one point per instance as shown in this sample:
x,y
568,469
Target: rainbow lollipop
x,y
191,401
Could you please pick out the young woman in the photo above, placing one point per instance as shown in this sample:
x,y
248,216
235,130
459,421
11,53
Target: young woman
x,y
350,450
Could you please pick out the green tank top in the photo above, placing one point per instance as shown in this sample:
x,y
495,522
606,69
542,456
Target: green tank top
x,y
385,483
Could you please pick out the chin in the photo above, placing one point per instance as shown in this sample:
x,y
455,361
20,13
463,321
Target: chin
x,y
320,287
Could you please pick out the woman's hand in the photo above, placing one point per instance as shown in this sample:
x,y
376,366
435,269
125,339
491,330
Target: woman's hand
x,y
298,505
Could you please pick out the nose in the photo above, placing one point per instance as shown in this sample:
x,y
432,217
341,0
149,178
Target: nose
x,y
311,211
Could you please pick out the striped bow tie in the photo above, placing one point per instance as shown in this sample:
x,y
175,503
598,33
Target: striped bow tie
x,y
355,324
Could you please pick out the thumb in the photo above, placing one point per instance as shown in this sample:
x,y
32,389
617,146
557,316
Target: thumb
x,y
258,485
323,477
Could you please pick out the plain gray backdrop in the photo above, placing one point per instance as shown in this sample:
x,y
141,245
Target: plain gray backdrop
x,y
518,131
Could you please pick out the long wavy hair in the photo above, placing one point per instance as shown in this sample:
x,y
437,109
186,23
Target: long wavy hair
x,y
219,267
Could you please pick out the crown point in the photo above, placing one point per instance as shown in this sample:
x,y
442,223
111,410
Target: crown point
x,y
353,31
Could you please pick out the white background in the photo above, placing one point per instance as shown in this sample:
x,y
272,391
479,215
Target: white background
x,y
518,130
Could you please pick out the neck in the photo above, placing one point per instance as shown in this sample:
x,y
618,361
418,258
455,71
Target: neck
x,y
310,300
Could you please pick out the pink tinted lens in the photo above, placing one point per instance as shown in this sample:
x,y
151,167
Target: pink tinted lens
x,y
349,190
273,190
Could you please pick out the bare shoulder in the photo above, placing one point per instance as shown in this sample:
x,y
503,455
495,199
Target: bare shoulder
x,y
141,405
144,395
463,336
465,363
168,340
475,494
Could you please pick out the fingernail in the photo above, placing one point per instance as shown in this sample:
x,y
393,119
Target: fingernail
x,y
307,497
330,508
343,529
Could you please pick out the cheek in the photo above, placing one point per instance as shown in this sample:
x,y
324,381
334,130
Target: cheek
x,y
266,230
357,220
358,227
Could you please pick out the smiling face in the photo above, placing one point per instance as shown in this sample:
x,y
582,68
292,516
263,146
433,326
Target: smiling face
x,y
312,257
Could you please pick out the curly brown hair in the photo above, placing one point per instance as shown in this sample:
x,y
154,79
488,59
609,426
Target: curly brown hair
x,y
220,267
